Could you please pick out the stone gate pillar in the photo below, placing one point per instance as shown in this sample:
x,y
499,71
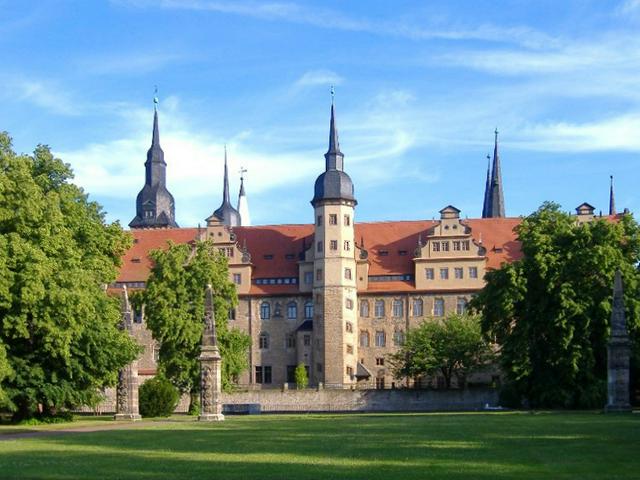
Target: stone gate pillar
x,y
210,366
127,389
618,353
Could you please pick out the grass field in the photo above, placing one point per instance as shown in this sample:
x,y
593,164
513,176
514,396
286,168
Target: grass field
x,y
403,446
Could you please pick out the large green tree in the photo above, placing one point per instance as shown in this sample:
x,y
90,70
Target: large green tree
x,y
452,347
58,326
550,311
174,311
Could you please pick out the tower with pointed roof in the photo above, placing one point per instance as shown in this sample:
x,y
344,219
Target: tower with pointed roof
x,y
494,198
487,190
334,286
225,213
243,204
155,207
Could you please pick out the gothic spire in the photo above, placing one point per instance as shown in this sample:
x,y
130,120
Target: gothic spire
x,y
496,200
487,190
334,157
226,213
612,200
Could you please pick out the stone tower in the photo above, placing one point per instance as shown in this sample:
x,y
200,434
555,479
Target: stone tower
x,y
155,207
618,352
225,214
210,366
334,288
127,389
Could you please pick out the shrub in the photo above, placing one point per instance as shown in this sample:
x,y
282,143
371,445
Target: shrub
x,y
302,380
158,398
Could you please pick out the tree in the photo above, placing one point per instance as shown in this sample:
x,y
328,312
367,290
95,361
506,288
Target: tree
x,y
5,371
174,309
302,379
550,311
59,328
453,347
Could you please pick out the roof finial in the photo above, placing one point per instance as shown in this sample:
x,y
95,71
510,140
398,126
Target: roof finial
x,y
333,94
612,200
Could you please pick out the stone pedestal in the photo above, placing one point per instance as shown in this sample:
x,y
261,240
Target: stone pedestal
x,y
618,355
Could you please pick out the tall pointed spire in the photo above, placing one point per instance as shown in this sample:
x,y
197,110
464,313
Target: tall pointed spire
x,y
334,157
496,201
225,212
155,207
612,200
487,190
243,204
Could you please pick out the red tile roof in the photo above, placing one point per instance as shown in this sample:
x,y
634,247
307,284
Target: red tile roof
x,y
275,249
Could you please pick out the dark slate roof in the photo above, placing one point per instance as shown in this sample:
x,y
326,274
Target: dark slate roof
x,y
306,326
225,212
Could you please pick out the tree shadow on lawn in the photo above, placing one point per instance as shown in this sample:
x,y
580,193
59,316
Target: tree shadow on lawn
x,y
442,446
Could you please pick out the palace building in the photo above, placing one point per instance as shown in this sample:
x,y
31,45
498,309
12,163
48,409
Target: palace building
x,y
335,294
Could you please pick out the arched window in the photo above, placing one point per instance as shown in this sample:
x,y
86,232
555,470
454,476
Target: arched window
x,y
364,308
398,338
263,341
381,338
308,310
379,308
418,307
265,310
364,338
292,310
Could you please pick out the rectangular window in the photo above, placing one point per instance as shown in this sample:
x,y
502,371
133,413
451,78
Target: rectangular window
x,y
428,272
417,307
465,245
333,219
364,308
263,374
380,383
349,349
398,308
347,273
349,304
458,272
350,371
291,341
380,361
381,339
461,306
438,307
237,278
308,278
473,272
319,274
379,308
456,245
263,341
319,247
319,221
291,373
347,245
444,274
333,244
436,246
364,338
347,220
306,340
445,246
232,314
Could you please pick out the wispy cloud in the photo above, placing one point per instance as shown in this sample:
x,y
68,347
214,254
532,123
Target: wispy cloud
x,y
43,94
318,77
132,63
336,20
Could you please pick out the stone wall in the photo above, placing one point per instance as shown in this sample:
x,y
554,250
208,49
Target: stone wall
x,y
312,400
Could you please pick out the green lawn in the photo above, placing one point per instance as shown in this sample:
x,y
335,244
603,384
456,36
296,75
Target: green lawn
x,y
403,446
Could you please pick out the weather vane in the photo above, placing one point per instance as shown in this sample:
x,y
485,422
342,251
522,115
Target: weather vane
x,y
155,97
333,93
242,171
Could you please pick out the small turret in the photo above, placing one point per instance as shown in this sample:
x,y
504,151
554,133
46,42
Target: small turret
x,y
225,213
243,204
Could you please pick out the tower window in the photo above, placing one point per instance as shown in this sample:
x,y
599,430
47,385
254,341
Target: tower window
x,y
349,304
347,273
333,245
347,220
349,349
349,327
347,245
237,278
333,219
319,247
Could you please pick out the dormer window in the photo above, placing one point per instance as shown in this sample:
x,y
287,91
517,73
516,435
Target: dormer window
x,y
148,214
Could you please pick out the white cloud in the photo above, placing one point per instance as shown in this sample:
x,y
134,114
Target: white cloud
x,y
318,77
130,63
43,94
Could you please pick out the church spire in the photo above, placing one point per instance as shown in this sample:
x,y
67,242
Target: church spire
x,y
155,206
496,200
612,200
487,190
334,157
243,205
225,213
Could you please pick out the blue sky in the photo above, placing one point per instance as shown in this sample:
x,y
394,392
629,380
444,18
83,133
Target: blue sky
x,y
420,87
